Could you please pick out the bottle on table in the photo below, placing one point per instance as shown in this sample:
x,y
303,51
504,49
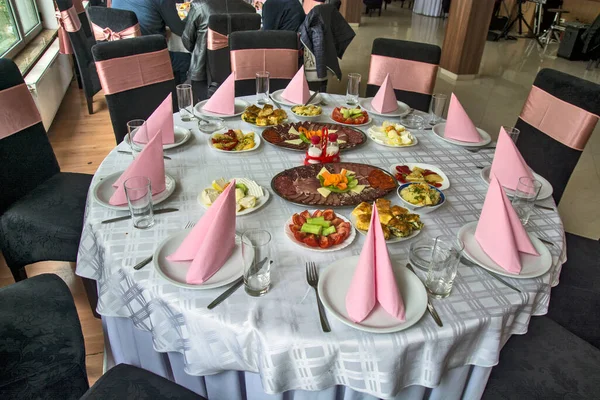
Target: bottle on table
x,y
333,148
314,150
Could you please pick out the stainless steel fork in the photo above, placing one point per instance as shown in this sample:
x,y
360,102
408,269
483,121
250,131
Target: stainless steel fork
x,y
146,261
312,277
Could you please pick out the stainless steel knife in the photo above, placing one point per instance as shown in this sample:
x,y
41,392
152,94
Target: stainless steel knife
x,y
126,217
430,307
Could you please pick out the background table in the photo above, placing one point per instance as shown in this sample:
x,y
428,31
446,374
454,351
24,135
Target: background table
x,y
432,8
274,344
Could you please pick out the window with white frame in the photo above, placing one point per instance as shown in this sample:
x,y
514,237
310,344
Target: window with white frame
x,y
19,23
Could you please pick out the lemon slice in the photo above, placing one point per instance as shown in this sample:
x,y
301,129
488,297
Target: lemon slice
x,y
219,185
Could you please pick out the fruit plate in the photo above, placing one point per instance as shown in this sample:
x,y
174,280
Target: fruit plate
x,y
345,243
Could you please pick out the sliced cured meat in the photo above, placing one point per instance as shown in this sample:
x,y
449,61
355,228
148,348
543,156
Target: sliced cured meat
x,y
278,134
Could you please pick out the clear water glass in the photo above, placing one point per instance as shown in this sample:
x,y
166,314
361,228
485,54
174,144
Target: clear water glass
x,y
256,251
513,133
185,100
138,190
262,87
525,196
133,127
445,258
437,108
353,89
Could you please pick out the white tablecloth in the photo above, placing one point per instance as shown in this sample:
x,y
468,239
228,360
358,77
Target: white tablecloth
x,y
279,336
432,8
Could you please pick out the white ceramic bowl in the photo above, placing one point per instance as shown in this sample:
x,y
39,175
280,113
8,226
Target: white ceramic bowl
x,y
306,117
421,209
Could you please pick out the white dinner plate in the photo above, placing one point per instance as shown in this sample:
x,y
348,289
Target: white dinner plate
x,y
438,130
333,287
257,140
375,136
433,168
340,246
545,191
175,271
182,135
260,202
240,106
403,109
392,239
277,96
531,266
104,189
352,125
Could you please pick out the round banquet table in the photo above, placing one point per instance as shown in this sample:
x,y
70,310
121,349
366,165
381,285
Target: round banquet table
x,y
263,348
431,8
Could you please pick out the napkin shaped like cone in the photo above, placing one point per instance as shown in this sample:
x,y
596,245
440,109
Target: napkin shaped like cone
x,y
508,164
212,241
385,99
500,232
160,120
374,279
223,100
297,90
459,126
150,163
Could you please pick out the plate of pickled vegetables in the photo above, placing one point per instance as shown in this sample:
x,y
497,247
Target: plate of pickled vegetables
x,y
234,141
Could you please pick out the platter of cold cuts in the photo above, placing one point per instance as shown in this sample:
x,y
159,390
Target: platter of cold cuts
x,y
296,136
333,185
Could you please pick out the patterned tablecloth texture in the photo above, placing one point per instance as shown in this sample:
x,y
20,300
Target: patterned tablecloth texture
x,y
279,335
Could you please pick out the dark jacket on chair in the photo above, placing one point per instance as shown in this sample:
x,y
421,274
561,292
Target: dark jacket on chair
x,y
282,15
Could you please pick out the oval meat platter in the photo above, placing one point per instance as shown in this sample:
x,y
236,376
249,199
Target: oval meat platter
x,y
287,136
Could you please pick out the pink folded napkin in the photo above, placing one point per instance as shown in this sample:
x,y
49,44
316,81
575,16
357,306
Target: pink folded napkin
x,y
458,125
374,279
500,232
385,99
160,120
149,163
297,90
508,164
223,100
212,241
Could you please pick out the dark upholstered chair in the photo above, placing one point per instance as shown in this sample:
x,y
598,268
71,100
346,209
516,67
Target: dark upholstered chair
x,y
218,62
41,208
41,344
371,5
258,41
141,101
547,156
409,51
82,42
112,18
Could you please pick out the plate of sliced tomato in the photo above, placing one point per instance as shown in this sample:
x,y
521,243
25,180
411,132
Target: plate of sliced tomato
x,y
320,230
355,119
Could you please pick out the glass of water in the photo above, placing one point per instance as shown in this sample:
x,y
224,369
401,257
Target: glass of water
x,y
185,100
133,127
525,196
353,89
437,108
138,190
262,87
257,262
513,133
445,258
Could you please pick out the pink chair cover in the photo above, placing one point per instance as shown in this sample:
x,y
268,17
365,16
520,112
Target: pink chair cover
x,y
408,75
68,21
17,110
281,63
216,40
107,34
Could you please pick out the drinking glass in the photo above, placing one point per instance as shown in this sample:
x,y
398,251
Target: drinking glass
x,y
445,258
257,264
262,87
138,190
513,133
185,100
525,196
133,127
437,108
352,91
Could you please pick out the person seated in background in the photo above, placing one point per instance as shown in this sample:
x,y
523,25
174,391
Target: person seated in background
x,y
154,16
282,15
194,36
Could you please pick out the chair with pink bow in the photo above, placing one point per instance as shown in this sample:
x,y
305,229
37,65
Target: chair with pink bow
x,y
136,76
220,26
255,51
75,38
109,24
412,68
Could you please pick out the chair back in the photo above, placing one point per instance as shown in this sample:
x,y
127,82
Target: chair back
x,y
255,51
136,76
110,24
73,20
220,26
412,67
556,122
27,156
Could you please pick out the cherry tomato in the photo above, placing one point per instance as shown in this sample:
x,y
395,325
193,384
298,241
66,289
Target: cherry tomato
x,y
329,215
305,214
298,219
295,228
311,240
325,242
317,213
336,221
337,238
300,236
